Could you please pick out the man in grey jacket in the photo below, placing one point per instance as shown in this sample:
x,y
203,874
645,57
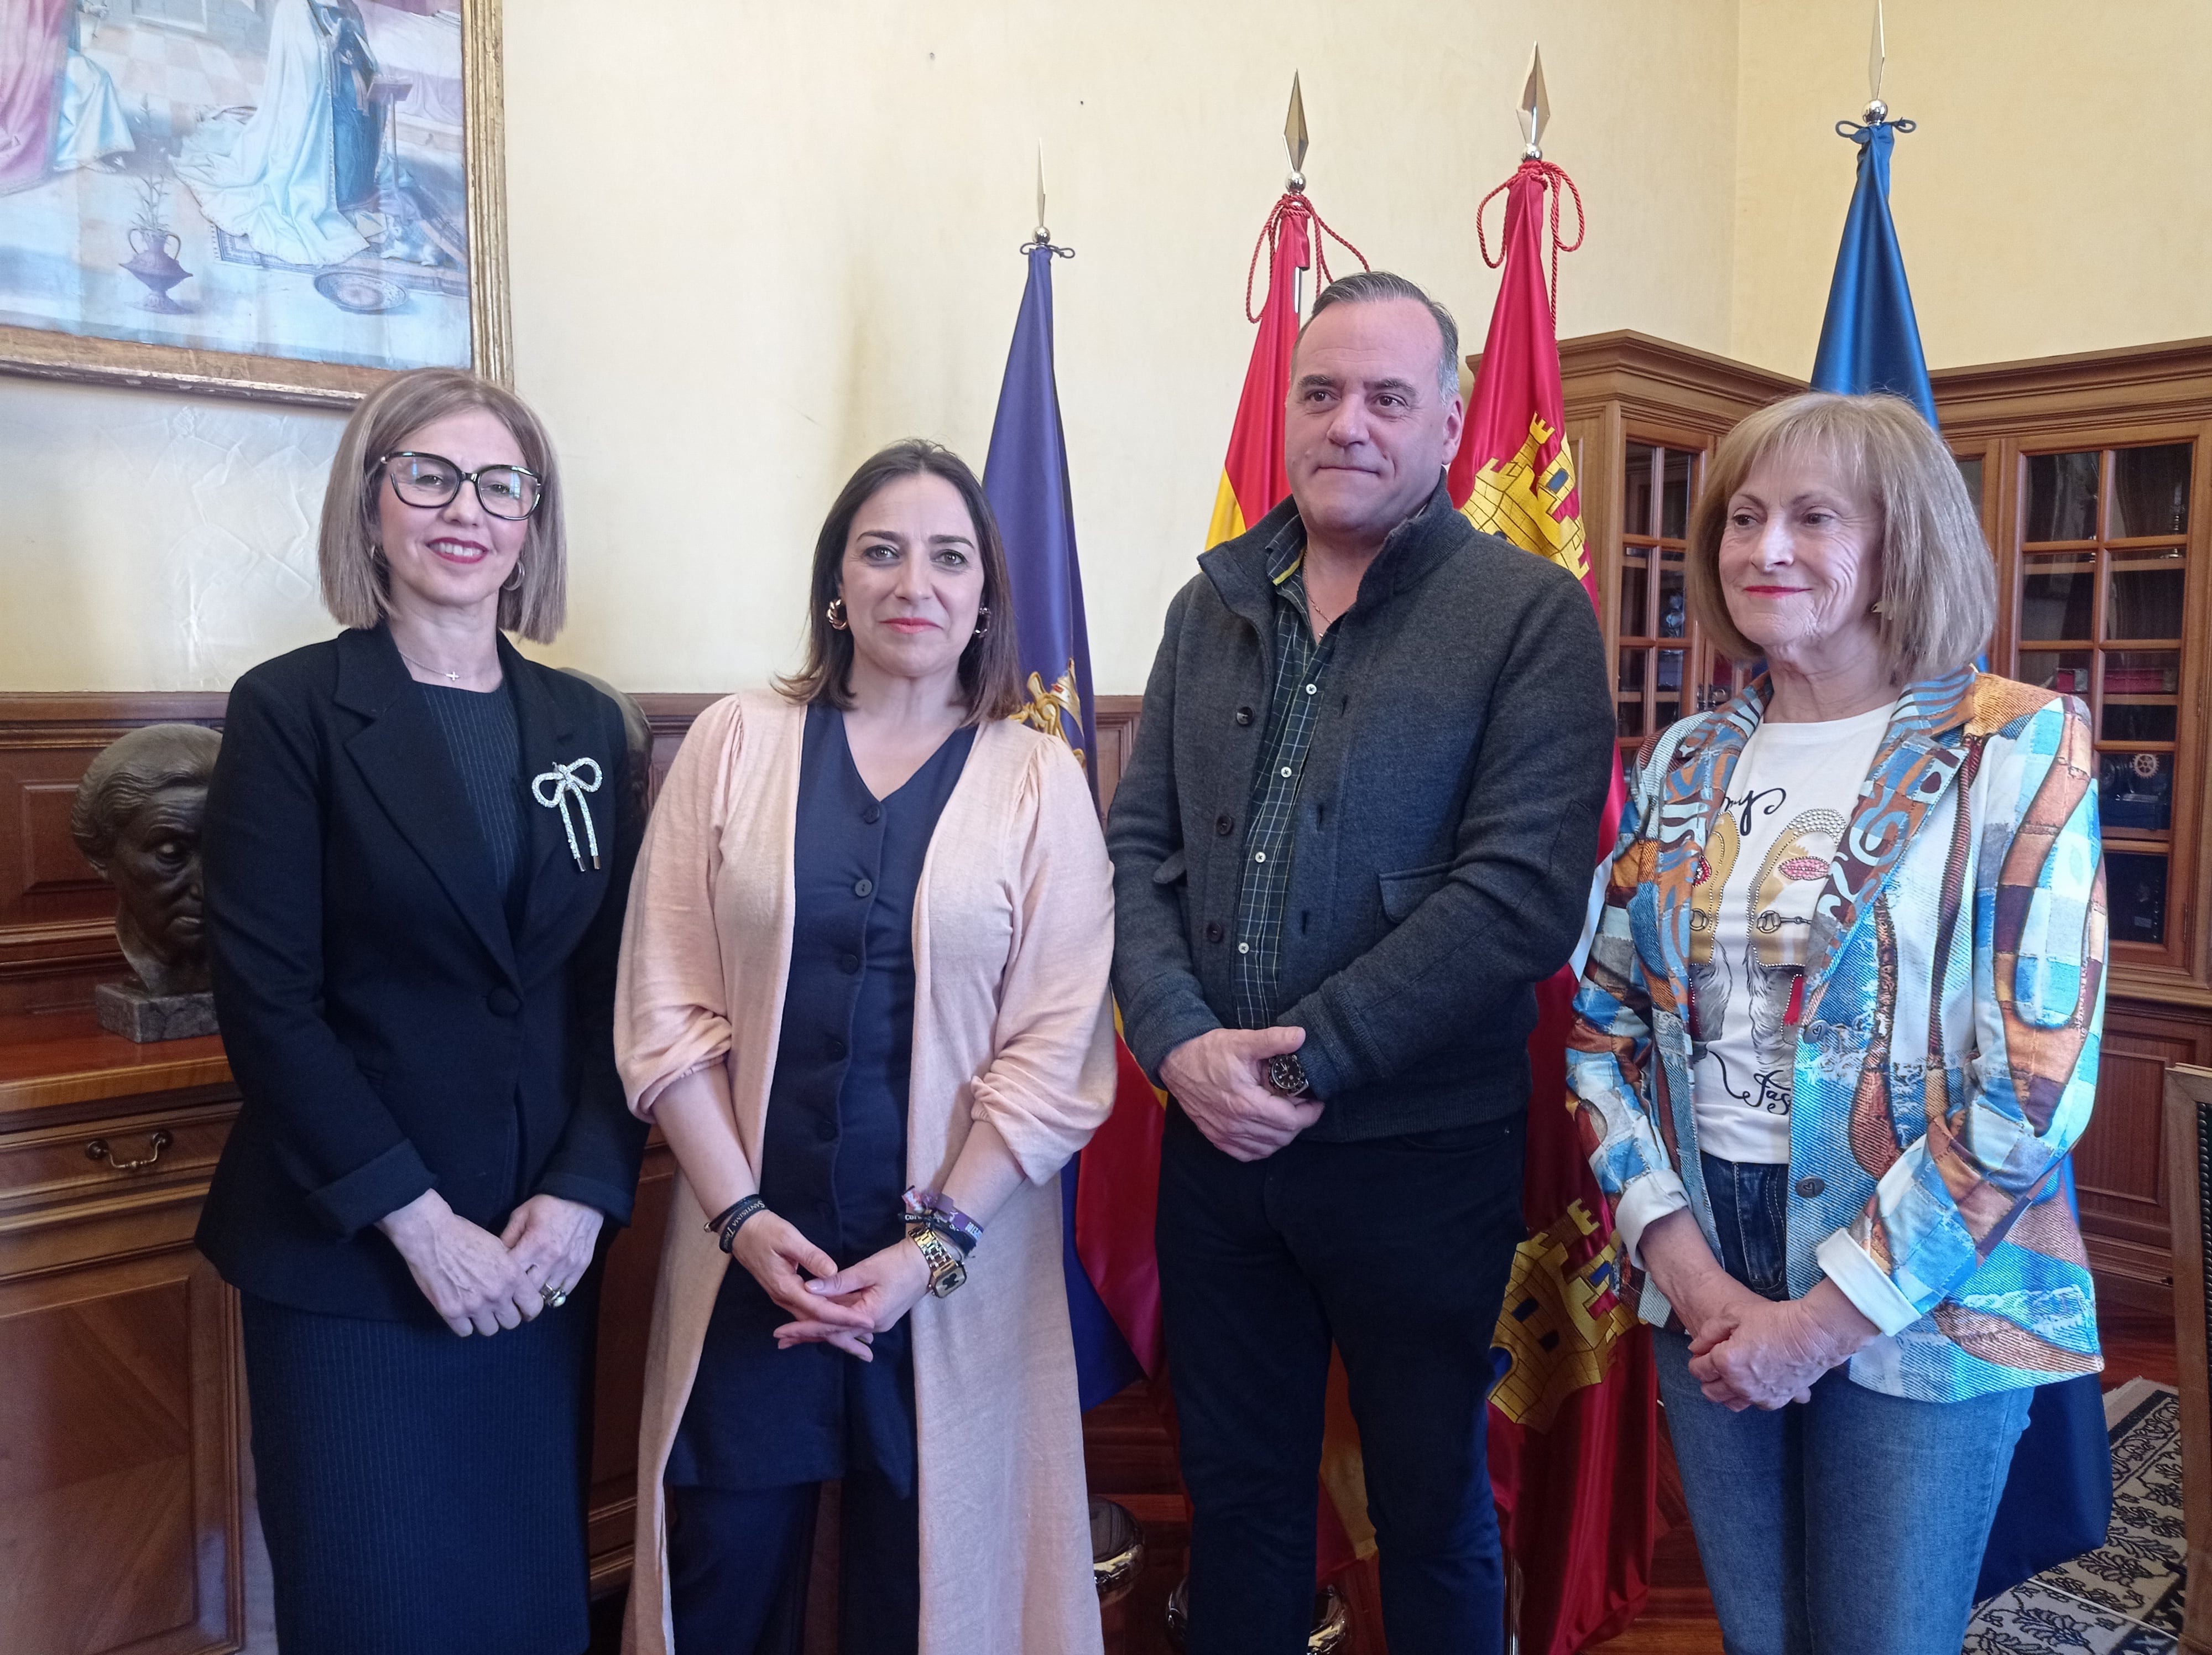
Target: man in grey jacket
x,y
1358,827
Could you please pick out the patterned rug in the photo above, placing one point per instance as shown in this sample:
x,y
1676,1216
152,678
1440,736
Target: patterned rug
x,y
2123,1598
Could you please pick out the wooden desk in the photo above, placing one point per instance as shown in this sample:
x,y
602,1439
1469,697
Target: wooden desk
x,y
122,1386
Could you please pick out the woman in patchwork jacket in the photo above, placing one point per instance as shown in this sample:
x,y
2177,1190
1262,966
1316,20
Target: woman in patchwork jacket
x,y
1838,1032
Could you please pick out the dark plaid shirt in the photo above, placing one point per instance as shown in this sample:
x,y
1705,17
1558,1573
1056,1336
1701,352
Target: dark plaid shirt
x,y
1300,663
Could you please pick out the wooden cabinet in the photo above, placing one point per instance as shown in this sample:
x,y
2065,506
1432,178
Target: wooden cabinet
x,y
2094,474
1644,417
120,1395
2096,483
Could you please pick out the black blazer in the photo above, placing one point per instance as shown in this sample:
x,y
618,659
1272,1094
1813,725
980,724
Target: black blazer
x,y
390,1031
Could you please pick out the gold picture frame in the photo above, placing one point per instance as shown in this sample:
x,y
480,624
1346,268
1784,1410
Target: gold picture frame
x,y
53,354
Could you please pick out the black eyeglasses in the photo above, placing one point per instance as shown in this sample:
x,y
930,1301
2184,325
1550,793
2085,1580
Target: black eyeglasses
x,y
432,480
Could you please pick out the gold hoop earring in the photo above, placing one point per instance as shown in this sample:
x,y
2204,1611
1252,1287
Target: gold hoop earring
x,y
835,614
514,581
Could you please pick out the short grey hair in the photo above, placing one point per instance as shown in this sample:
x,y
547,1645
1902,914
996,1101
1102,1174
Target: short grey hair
x,y
1374,286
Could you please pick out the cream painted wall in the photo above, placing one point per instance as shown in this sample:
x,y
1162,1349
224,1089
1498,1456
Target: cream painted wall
x,y
2056,198
750,242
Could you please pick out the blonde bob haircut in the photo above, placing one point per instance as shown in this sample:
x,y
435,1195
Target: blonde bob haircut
x,y
1939,584
356,584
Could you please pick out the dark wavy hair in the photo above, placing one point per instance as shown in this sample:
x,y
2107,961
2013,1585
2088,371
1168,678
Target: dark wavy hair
x,y
990,666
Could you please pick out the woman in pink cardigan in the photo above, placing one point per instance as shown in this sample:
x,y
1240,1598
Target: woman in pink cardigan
x,y
863,992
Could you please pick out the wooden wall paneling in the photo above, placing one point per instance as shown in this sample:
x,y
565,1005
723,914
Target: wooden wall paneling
x,y
2119,1165
2189,1174
1117,718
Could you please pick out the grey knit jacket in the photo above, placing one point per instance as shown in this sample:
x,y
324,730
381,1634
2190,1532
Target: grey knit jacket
x,y
1447,821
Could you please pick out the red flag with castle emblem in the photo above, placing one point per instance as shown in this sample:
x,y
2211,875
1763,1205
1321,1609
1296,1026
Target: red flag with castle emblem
x,y
1573,1424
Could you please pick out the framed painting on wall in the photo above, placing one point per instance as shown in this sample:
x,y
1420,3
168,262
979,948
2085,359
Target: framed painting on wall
x,y
280,199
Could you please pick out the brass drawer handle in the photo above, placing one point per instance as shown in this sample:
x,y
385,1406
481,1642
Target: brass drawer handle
x,y
97,1150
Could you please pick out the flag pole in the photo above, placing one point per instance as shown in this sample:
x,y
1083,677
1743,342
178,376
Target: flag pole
x,y
1294,140
1876,109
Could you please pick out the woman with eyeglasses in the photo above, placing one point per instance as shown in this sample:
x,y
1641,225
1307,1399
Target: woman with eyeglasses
x,y
418,849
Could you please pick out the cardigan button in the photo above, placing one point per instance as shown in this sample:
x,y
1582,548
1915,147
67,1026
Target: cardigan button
x,y
1224,825
862,887
1809,1187
1213,930
503,1001
1244,715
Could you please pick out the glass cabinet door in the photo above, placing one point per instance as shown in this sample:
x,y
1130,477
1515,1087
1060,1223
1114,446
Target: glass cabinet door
x,y
2102,578
1662,669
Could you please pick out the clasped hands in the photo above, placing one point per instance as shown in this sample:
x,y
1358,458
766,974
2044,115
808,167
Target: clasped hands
x,y
1746,1351
479,1282
1220,1078
844,1308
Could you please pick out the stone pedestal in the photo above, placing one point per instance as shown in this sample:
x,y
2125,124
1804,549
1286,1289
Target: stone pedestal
x,y
127,1009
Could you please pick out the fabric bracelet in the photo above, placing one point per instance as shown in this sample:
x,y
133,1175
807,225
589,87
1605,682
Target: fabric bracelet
x,y
734,1220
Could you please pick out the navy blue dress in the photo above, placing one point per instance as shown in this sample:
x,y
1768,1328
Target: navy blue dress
x,y
833,1163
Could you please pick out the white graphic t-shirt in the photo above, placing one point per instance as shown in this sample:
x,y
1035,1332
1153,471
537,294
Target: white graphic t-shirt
x,y
1767,863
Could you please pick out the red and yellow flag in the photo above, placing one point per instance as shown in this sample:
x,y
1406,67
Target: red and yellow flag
x,y
1254,479
1573,1422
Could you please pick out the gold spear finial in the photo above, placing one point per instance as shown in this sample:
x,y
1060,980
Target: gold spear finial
x,y
1535,110
1043,234
1294,135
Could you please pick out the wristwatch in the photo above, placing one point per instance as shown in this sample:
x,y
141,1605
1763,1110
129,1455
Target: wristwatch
x,y
1287,1076
946,1269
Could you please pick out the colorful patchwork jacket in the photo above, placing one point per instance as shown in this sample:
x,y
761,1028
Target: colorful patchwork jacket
x,y
1947,1035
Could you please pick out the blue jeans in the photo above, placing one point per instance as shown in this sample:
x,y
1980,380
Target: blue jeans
x,y
1850,1525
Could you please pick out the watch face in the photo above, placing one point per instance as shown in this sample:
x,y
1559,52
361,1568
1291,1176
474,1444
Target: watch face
x,y
1286,1074
942,1282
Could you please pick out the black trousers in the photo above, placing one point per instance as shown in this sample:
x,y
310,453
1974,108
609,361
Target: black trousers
x,y
739,1562
1397,1251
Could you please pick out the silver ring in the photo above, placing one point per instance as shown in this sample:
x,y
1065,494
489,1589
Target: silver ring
x,y
554,1298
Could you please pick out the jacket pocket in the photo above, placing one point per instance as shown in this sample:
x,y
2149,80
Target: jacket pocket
x,y
1403,892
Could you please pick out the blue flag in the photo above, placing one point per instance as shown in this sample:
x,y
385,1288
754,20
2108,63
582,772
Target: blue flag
x,y
1025,477
2058,1497
1869,340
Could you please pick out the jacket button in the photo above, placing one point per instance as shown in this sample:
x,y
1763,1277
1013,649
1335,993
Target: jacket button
x,y
825,1126
1244,715
862,888
833,1049
1213,930
1224,825
505,1002
1809,1187
848,963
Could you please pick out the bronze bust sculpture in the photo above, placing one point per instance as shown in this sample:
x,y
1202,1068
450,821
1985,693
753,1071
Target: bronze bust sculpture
x,y
137,818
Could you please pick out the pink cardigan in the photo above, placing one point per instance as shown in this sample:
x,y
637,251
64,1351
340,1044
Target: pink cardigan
x,y
1012,933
